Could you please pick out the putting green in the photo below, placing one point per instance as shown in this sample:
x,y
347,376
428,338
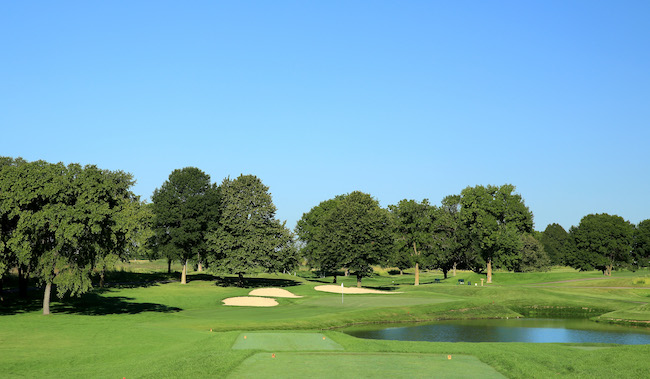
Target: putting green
x,y
285,342
362,365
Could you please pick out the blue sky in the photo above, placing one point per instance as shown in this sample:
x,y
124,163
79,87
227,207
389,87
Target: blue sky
x,y
409,99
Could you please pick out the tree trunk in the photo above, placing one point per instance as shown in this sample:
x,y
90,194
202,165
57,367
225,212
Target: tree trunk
x,y
358,281
46,299
184,273
199,267
334,281
401,272
444,272
241,280
101,278
454,272
417,267
609,269
1,280
489,271
169,266
347,272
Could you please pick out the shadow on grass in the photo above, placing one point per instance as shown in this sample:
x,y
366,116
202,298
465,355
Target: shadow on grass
x,y
91,304
227,281
94,304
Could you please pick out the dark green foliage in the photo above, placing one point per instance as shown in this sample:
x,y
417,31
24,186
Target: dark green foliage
x,y
642,243
186,207
601,241
310,231
532,256
413,223
556,243
494,218
358,231
248,236
59,221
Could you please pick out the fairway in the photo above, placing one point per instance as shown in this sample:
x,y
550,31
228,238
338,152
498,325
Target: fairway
x,y
362,365
285,342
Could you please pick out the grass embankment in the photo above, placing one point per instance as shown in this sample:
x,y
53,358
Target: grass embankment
x,y
148,329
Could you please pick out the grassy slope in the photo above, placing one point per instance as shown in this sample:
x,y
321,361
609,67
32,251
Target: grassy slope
x,y
163,330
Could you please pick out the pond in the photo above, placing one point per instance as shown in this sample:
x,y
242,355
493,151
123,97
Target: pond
x,y
504,330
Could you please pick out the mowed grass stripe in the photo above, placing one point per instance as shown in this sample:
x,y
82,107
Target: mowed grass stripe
x,y
285,342
362,365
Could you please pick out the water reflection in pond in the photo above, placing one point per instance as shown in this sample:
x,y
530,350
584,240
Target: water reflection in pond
x,y
513,330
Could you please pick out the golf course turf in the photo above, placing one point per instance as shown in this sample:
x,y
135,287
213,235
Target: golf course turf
x,y
141,326
363,365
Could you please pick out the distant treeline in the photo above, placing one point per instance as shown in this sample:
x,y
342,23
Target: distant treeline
x,y
61,225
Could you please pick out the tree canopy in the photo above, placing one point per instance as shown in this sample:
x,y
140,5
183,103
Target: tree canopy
x,y
248,236
495,217
601,241
311,232
413,223
359,231
186,208
58,221
555,240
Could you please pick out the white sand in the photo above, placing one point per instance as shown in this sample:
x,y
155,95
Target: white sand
x,y
249,301
272,292
351,290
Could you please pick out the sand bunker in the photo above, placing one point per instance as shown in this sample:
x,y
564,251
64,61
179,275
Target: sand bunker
x,y
249,301
272,292
351,290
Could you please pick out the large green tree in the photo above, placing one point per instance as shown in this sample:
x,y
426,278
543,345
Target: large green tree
x,y
65,218
495,217
601,241
309,230
642,243
413,226
555,240
248,236
185,208
360,231
448,234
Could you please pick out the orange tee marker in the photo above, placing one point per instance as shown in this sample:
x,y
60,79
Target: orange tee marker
x,y
449,357
273,355
323,337
244,337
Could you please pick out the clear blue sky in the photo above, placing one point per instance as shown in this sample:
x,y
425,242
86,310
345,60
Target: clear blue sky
x,y
399,99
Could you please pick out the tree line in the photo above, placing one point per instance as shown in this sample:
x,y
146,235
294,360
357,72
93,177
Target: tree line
x,y
61,225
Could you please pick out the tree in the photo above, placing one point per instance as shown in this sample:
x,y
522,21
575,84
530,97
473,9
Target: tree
x,y
532,255
601,241
555,240
185,208
642,243
249,237
65,218
309,230
135,220
494,218
447,236
413,233
360,231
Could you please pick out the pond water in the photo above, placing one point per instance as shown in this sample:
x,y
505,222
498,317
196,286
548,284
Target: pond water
x,y
504,330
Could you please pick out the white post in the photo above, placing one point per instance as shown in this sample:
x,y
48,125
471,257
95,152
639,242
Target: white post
x,y
341,293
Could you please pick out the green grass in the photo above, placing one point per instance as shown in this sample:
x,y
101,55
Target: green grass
x,y
146,328
287,341
362,365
